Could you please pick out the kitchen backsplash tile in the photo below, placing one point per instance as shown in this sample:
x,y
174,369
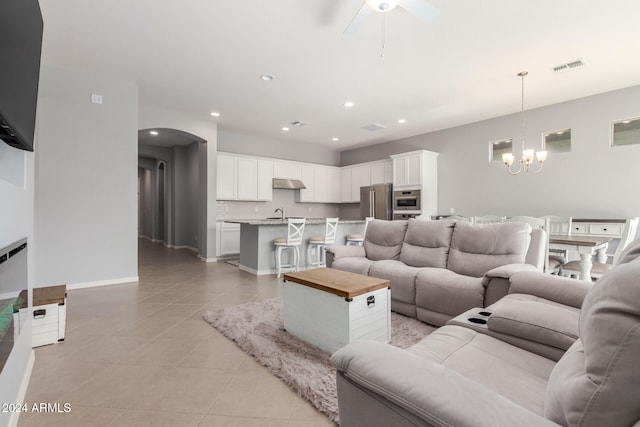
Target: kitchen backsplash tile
x,y
231,209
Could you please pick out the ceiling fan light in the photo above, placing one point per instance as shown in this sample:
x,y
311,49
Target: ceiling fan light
x,y
382,5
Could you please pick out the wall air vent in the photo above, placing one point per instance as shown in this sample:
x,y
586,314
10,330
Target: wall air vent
x,y
569,66
373,127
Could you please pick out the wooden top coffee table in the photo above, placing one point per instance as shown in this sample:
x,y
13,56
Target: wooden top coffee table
x,y
331,308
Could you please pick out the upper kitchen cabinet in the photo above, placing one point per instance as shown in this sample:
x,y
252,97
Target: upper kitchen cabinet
x,y
287,170
322,182
265,179
227,177
415,168
382,172
243,178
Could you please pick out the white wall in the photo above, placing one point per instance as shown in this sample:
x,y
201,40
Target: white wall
x,y
234,141
16,222
86,180
593,181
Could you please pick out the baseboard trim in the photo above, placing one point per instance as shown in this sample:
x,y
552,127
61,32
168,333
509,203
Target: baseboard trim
x,y
97,283
22,393
201,258
256,272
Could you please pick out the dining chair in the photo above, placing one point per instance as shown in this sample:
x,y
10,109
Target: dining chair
x,y
295,230
572,268
558,226
354,239
317,244
542,223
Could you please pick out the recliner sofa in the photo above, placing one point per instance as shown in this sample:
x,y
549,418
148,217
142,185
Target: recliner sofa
x,y
458,376
439,269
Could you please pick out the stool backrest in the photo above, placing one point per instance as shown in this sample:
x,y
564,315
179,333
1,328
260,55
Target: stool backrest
x,y
330,230
295,230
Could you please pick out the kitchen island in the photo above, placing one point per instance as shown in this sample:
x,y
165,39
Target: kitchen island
x,y
257,254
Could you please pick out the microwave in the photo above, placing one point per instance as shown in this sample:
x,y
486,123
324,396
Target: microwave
x,y
406,200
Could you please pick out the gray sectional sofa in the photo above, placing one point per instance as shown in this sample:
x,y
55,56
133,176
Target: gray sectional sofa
x,y
463,375
439,269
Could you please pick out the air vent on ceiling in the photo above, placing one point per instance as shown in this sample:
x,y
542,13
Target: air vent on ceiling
x,y
569,66
373,127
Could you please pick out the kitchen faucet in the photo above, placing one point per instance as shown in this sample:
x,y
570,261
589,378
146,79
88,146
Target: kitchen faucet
x,y
282,212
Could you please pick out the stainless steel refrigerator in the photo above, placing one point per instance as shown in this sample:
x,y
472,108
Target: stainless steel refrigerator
x,y
377,201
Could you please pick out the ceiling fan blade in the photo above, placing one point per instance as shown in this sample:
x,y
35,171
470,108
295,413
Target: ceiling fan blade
x,y
420,9
358,19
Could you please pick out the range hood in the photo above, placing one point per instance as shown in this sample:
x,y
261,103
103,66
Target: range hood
x,y
288,184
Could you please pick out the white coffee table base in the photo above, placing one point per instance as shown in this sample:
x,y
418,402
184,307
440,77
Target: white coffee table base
x,y
330,322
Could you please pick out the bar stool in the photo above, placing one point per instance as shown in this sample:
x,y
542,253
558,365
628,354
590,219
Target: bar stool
x,y
295,229
358,239
318,243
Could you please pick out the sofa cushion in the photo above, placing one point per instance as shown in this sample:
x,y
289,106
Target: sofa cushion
x,y
383,239
401,276
443,291
522,375
477,248
426,243
597,380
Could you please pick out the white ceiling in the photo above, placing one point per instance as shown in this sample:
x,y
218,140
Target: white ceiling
x,y
207,55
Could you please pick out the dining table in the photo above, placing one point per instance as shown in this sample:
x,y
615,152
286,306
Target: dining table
x,y
585,246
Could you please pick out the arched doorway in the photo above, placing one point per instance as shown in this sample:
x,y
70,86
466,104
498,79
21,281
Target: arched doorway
x,y
171,184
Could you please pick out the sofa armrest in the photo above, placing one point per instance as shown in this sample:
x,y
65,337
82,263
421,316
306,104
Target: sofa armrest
x,y
543,323
562,290
506,271
425,389
343,251
496,281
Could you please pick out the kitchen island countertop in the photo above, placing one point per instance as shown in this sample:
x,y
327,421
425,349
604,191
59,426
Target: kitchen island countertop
x,y
271,221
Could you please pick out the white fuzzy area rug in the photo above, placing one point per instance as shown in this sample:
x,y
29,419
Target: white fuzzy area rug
x,y
257,328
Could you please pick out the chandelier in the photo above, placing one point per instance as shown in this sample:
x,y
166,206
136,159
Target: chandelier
x,y
527,155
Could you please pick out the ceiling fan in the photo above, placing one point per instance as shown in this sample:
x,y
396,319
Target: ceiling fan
x,y
418,8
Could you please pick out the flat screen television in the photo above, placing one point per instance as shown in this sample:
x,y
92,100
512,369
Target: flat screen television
x,y
20,48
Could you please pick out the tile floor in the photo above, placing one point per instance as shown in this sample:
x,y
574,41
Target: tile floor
x,y
139,354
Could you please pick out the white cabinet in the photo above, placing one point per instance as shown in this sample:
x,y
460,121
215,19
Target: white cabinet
x,y
243,178
322,182
333,185
407,169
265,179
227,177
228,239
360,177
345,185
247,179
307,194
289,170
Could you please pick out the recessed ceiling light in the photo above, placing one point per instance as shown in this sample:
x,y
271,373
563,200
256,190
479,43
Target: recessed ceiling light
x,y
285,129
349,104
335,139
215,114
266,77
402,121
153,132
